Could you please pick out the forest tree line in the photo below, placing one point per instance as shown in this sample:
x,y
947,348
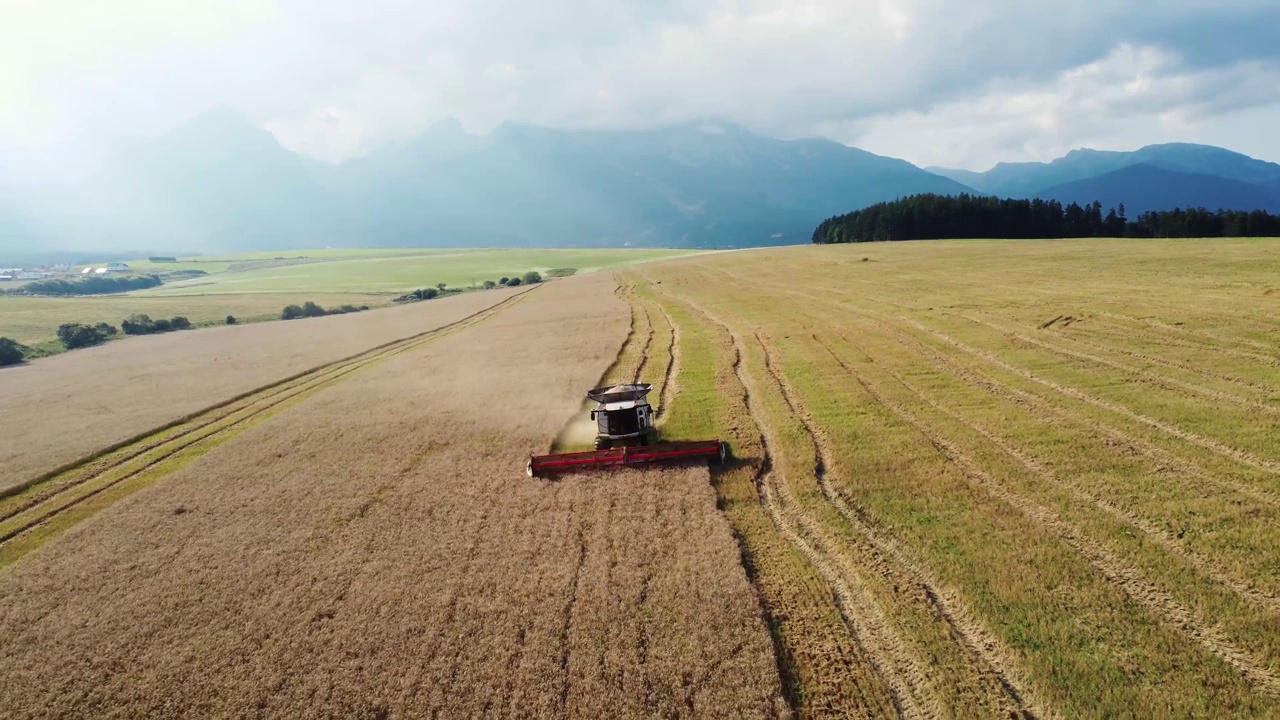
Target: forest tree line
x,y
928,217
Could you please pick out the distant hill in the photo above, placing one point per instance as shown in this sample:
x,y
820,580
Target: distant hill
x,y
1023,180
1144,187
221,183
697,184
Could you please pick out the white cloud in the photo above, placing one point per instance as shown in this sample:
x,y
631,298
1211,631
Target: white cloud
x,y
928,79
1133,96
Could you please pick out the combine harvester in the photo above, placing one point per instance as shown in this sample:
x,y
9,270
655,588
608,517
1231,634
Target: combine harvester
x,y
625,437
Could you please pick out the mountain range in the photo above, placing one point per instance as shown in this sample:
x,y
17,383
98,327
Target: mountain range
x,y
1156,177
221,183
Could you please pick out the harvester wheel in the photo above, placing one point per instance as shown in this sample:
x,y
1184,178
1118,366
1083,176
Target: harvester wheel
x,y
528,469
724,451
603,443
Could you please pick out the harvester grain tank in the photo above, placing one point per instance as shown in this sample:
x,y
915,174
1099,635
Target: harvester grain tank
x,y
625,436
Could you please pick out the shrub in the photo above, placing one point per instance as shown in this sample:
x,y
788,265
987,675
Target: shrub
x,y
441,286
291,312
138,324
77,335
363,308
231,319
531,277
489,284
163,259
504,281
312,310
427,293
11,353
561,272
513,282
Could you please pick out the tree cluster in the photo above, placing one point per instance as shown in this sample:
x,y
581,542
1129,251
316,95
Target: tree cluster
x,y
921,217
78,335
93,285
162,259
11,352
139,324
309,310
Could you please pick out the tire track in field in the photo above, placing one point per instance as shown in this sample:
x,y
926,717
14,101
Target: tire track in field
x,y
211,428
1040,407
1186,340
1162,605
1160,380
888,559
901,675
1214,446
1163,457
648,343
455,596
1171,364
1161,537
566,628
1180,330
672,375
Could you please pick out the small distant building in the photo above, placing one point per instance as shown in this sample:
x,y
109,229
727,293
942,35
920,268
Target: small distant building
x,y
117,267
6,278
99,271
86,271
32,275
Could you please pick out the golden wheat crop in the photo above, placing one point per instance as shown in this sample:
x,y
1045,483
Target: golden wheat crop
x,y
377,550
64,408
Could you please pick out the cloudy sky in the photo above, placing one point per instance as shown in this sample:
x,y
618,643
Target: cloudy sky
x,y
963,84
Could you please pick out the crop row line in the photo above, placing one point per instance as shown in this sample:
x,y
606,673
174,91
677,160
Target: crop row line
x,y
899,671
1129,580
206,429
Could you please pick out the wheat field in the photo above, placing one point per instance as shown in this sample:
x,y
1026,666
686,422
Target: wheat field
x,y
970,479
377,550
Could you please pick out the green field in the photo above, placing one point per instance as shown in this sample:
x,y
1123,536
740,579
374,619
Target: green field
x,y
394,271
256,286
992,478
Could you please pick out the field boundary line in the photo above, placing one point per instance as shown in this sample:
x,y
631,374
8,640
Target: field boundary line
x,y
1163,606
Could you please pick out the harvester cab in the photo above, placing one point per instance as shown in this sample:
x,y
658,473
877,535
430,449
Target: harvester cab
x,y
623,415
626,436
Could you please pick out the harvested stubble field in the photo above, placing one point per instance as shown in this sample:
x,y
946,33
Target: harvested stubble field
x,y
376,550
998,478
